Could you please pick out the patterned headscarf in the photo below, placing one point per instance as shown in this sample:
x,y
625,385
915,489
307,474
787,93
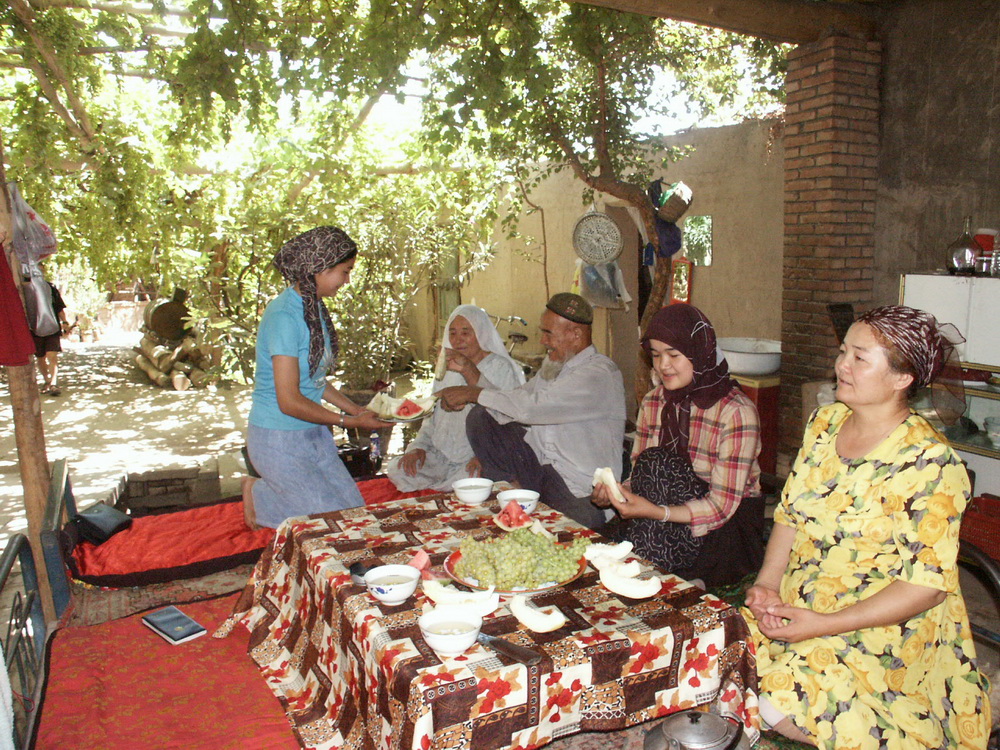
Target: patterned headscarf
x,y
929,347
298,261
922,341
685,328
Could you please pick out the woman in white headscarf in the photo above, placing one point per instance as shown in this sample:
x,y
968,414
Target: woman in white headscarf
x,y
475,355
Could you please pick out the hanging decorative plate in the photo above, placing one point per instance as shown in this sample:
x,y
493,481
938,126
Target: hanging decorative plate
x,y
596,238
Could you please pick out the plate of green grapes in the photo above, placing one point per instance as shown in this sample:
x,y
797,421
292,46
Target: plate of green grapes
x,y
518,562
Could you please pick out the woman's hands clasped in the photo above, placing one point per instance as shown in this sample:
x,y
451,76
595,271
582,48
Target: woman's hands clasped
x,y
783,622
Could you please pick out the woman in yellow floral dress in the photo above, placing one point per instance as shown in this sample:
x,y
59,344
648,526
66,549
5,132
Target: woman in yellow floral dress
x,y
862,636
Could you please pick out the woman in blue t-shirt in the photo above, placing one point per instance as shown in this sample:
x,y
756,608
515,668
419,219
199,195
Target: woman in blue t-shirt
x,y
289,439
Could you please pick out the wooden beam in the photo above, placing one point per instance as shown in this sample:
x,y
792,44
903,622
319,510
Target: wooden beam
x,y
29,433
793,21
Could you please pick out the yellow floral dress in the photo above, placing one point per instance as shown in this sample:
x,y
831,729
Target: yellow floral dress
x,y
860,525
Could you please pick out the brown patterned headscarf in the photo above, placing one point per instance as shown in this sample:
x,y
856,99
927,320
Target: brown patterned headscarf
x,y
298,261
685,328
929,348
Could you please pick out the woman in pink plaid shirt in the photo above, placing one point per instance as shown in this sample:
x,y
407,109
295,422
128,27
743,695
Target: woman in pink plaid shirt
x,y
692,504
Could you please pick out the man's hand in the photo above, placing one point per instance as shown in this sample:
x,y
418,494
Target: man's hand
x,y
412,461
474,468
457,396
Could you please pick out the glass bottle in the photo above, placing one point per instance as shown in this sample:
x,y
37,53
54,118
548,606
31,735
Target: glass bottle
x,y
962,253
376,451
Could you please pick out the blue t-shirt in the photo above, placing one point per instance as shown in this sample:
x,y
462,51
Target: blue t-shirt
x,y
283,331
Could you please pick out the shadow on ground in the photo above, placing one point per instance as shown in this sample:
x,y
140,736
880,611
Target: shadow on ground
x,y
110,420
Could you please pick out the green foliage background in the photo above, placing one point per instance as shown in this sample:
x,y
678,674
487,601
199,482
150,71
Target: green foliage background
x,y
184,149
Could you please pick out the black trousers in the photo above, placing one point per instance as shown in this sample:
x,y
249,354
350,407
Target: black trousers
x,y
506,457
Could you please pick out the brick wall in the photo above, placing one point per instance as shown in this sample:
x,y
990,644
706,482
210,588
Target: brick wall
x,y
831,152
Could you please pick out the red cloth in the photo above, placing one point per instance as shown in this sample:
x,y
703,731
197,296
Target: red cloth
x,y
119,686
16,344
189,543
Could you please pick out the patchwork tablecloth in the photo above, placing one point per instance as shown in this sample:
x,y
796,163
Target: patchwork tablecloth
x,y
353,672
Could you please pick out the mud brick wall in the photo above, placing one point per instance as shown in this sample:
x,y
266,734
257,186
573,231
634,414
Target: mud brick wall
x,y
831,169
167,490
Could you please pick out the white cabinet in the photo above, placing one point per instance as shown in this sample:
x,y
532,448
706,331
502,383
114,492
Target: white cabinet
x,y
972,305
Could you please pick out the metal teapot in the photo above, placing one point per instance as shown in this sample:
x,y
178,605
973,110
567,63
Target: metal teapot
x,y
696,730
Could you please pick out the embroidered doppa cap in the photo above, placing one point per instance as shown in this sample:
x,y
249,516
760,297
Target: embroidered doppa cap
x,y
572,307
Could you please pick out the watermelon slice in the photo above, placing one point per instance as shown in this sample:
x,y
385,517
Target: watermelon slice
x,y
407,409
512,517
422,562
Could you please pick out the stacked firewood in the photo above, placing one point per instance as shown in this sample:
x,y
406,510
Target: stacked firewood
x,y
172,364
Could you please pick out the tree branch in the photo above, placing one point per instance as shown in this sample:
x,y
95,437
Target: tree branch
x,y
79,122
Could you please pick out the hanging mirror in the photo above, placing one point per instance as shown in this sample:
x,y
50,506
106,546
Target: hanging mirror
x,y
680,280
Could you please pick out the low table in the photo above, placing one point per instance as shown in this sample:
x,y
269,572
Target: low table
x,y
353,672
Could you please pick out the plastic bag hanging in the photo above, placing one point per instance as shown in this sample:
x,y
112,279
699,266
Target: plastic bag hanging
x,y
598,285
32,239
42,318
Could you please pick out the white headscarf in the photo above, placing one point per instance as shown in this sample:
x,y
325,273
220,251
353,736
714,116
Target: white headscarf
x,y
487,336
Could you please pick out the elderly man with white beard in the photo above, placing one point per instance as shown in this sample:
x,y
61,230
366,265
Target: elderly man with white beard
x,y
550,434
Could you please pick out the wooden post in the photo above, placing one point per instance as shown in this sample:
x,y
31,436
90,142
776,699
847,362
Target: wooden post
x,y
29,433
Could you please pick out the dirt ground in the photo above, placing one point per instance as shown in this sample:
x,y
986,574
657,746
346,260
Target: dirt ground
x,y
110,420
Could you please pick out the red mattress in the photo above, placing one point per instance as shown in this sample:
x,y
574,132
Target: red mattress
x,y
188,543
119,686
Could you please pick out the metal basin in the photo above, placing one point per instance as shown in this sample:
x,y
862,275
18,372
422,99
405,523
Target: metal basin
x,y
750,356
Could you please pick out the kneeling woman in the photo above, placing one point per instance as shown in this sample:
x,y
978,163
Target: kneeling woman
x,y
693,499
289,438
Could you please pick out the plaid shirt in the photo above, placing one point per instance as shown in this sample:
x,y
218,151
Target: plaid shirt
x,y
724,443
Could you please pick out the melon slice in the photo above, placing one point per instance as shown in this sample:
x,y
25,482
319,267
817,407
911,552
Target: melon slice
x,y
445,594
615,551
407,409
512,517
539,620
607,477
633,588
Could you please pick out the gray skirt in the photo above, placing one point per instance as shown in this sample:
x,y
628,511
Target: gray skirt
x,y
300,474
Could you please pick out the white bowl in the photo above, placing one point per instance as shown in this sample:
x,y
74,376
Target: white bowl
x,y
748,356
473,491
448,631
392,584
527,499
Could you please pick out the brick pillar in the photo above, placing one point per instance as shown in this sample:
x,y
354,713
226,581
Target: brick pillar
x,y
831,145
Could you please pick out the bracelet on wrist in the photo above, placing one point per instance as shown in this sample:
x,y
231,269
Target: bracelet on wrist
x,y
666,514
